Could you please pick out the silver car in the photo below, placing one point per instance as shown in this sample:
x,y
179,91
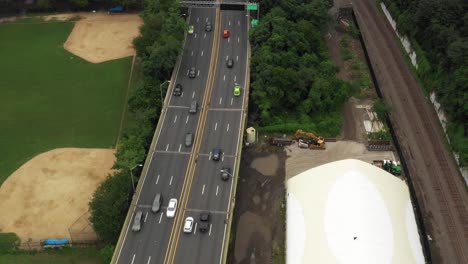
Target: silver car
x,y
157,203
188,226
137,221
188,139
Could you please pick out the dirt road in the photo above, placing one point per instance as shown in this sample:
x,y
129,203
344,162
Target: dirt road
x,y
439,187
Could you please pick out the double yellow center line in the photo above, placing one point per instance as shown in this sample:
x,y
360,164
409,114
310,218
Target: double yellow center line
x,y
169,257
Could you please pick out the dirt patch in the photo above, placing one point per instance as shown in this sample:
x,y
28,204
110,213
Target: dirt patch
x,y
267,165
258,222
100,37
49,193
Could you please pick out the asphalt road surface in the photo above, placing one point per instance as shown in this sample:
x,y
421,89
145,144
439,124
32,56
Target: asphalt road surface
x,y
189,174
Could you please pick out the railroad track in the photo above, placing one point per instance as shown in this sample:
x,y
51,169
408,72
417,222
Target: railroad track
x,y
430,165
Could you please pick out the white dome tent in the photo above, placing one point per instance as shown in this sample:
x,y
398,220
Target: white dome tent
x,y
350,211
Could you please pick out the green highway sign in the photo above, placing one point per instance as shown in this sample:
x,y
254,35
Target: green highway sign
x,y
254,22
252,7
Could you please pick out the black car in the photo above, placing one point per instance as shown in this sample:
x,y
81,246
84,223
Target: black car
x,y
177,90
230,63
225,173
192,72
203,226
208,27
216,154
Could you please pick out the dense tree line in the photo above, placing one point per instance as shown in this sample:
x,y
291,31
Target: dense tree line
x,y
293,78
439,34
11,7
157,47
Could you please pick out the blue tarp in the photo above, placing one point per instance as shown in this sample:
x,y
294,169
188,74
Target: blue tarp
x,y
54,241
117,9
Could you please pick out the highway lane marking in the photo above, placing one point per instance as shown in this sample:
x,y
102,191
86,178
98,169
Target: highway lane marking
x,y
198,19
229,40
206,20
216,125
167,147
195,231
133,259
195,35
198,73
175,119
217,188
182,94
238,39
204,210
149,259
237,58
202,53
180,146
160,218
172,152
186,121
187,72
191,53
178,106
157,179
193,94
232,99
170,183
203,189
209,233
227,130
146,216
225,109
209,157
220,100
235,77
238,22
227,57
224,78
222,158
204,35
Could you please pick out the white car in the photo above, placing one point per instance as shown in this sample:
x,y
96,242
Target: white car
x,y
171,208
188,226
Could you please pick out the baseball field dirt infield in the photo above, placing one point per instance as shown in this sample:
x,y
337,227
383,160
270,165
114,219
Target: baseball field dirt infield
x,y
46,196
99,37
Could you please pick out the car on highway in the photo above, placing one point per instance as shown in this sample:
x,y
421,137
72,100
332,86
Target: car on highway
x,y
192,72
177,90
188,225
230,63
226,33
225,173
188,139
137,221
204,224
171,208
208,26
190,29
237,90
193,107
216,154
158,199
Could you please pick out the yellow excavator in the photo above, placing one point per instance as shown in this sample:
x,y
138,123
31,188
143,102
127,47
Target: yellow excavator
x,y
309,140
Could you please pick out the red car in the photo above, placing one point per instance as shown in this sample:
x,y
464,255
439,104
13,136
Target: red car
x,y
226,33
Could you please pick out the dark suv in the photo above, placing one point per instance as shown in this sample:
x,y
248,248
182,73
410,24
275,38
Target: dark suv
x,y
225,173
204,222
216,154
177,90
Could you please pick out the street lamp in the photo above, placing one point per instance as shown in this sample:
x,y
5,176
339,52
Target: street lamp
x,y
131,175
228,173
160,91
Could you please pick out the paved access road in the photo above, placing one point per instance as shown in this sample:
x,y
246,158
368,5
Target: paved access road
x,y
189,174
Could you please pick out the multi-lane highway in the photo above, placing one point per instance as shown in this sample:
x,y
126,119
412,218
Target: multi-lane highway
x,y
188,173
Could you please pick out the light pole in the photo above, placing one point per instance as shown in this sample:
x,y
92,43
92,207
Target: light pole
x,y
160,91
131,175
228,173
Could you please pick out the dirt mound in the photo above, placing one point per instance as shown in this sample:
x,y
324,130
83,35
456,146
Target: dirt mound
x,y
49,193
100,37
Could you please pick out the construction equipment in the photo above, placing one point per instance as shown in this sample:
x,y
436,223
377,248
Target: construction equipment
x,y
389,165
310,139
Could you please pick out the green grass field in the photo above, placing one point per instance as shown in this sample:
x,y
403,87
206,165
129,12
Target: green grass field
x,y
50,98
65,256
